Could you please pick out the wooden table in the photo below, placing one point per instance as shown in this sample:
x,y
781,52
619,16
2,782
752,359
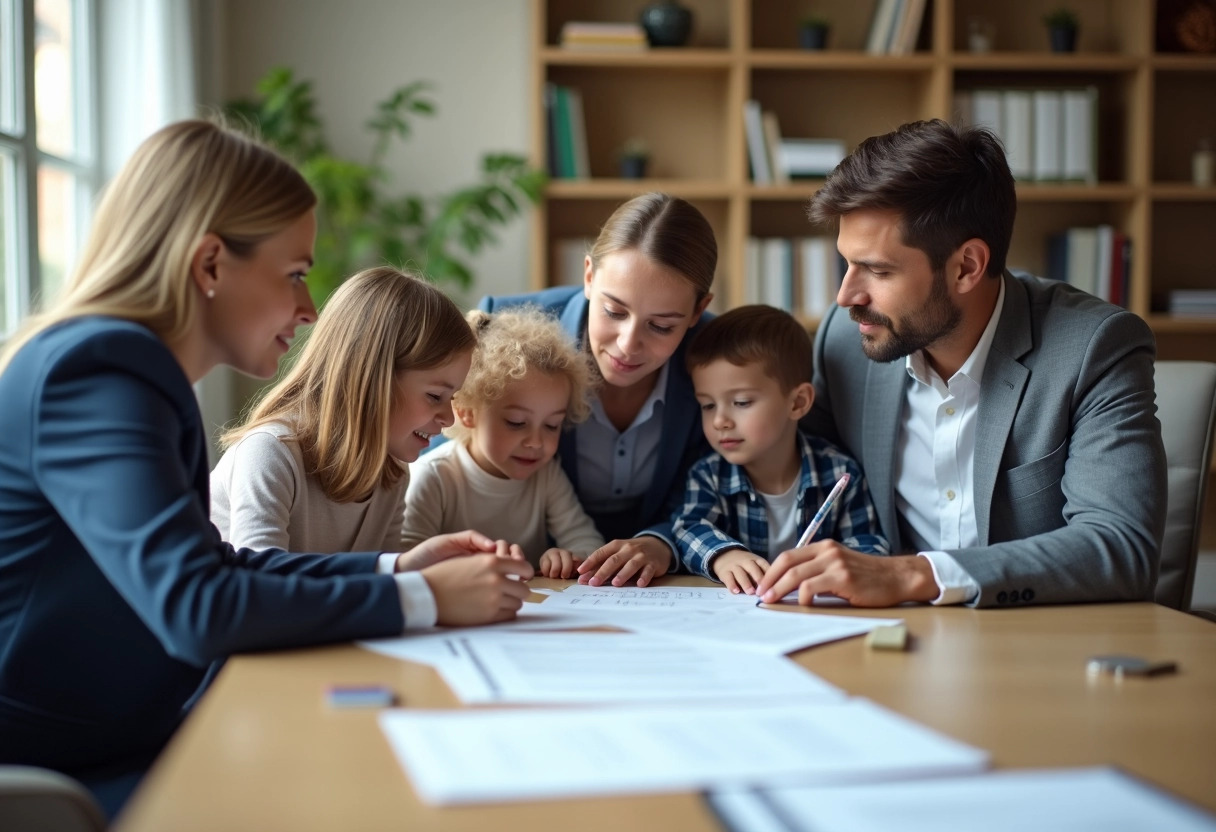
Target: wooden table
x,y
263,751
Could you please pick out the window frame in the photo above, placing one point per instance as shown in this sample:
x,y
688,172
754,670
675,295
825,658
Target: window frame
x,y
23,267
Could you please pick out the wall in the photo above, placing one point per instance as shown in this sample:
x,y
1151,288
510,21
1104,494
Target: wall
x,y
356,52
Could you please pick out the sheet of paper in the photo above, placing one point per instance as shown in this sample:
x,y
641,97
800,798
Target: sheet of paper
x,y
632,598
582,667
434,646
1059,800
477,756
755,628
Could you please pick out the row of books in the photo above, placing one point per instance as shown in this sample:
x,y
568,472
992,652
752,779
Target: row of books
x,y
1196,302
1096,260
801,274
895,27
1050,135
617,37
567,133
775,160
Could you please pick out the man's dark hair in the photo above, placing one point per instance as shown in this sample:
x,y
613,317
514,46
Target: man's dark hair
x,y
948,183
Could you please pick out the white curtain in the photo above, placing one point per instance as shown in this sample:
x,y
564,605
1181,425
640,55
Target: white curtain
x,y
147,80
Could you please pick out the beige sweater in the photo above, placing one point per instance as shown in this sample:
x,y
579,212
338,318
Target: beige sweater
x,y
260,497
449,492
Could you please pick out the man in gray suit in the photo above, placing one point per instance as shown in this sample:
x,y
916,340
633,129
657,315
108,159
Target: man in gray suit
x,y
1006,424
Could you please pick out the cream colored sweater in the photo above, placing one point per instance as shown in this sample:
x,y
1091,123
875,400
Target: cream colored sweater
x,y
260,497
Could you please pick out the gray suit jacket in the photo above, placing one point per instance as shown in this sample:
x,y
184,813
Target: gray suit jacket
x,y
1070,472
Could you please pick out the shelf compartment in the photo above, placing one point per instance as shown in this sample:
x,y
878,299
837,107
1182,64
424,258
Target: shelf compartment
x,y
710,19
1184,111
681,116
1116,27
775,24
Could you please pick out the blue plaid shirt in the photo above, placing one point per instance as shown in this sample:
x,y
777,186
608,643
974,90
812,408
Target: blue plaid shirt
x,y
723,511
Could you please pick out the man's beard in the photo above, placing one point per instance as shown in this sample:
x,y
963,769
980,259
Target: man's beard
x,y
936,319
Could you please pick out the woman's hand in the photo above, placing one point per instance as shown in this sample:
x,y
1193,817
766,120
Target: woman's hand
x,y
444,546
482,589
641,557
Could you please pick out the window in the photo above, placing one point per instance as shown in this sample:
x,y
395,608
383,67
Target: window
x,y
47,146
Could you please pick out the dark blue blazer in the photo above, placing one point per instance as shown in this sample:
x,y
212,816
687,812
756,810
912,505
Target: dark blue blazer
x,y
116,591
683,441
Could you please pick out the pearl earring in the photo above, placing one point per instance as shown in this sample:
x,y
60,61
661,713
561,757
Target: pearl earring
x,y
210,294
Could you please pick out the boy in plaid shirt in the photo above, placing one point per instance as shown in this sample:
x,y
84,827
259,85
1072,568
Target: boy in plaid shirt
x,y
751,499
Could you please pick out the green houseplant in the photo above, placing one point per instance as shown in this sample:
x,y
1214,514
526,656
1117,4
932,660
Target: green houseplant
x,y
359,222
1062,26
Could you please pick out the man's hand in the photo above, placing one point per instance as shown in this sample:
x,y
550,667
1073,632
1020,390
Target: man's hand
x,y
739,570
619,561
862,580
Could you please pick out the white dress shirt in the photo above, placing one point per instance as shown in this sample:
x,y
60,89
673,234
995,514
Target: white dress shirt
x,y
616,467
934,471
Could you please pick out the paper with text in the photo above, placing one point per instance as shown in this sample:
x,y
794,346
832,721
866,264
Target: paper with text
x,y
454,757
1059,800
539,667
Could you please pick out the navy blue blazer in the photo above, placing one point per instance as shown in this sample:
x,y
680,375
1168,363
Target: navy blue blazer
x,y
116,591
683,441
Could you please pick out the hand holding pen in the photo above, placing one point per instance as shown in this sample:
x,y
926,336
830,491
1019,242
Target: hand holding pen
x,y
818,519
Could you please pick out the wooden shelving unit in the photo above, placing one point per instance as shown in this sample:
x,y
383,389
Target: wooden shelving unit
x,y
687,103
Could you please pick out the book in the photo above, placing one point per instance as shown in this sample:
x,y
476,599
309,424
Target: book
x,y
753,124
1104,252
1080,116
1082,265
772,143
818,257
578,135
753,271
810,157
986,111
778,285
551,156
881,23
903,41
565,143
603,36
1048,135
1017,131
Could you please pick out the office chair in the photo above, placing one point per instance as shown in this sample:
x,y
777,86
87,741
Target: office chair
x,y
40,800
1186,407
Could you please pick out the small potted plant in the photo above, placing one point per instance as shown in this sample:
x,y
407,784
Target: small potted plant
x,y
1062,27
813,33
633,156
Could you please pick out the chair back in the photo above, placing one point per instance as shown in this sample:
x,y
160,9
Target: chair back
x,y
1186,408
39,800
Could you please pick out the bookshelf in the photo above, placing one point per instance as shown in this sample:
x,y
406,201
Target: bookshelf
x,y
687,104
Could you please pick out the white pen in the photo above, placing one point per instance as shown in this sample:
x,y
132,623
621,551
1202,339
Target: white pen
x,y
818,519
820,515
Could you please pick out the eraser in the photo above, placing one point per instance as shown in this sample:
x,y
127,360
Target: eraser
x,y
892,637
359,696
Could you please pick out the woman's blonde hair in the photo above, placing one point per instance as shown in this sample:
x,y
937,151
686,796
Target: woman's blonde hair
x,y
511,343
668,230
186,180
338,397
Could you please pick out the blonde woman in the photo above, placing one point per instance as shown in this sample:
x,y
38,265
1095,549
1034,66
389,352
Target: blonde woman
x,y
116,592
527,383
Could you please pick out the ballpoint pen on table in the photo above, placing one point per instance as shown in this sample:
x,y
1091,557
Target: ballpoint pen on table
x,y
820,515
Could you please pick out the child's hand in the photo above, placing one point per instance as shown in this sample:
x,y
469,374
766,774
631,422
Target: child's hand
x,y
444,546
558,563
478,590
740,570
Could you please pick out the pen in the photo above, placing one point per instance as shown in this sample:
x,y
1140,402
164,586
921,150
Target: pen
x,y
818,519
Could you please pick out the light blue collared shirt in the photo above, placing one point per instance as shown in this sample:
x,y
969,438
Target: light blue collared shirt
x,y
615,468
